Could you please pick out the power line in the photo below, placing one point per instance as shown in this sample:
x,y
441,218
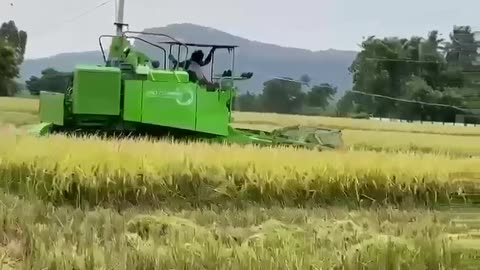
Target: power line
x,y
61,24
89,11
401,60
413,101
388,97
289,80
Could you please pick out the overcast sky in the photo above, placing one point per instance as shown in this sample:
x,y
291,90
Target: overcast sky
x,y
54,26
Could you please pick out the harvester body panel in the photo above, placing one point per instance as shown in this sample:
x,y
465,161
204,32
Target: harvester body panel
x,y
133,100
52,107
169,104
96,90
212,112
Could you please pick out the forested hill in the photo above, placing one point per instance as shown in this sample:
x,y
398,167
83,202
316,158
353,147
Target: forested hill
x,y
264,60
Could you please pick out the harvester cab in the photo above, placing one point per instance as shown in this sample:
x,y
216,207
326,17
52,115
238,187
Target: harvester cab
x,y
135,93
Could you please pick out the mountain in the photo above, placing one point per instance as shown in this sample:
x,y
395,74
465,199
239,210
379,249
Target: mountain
x,y
61,62
264,60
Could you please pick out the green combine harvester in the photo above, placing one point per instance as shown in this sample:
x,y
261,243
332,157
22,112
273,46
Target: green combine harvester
x,y
133,94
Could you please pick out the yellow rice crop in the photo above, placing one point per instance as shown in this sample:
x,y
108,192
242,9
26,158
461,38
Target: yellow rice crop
x,y
26,105
348,123
18,118
59,167
398,141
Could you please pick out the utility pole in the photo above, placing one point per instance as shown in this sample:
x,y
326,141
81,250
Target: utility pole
x,y
115,52
120,15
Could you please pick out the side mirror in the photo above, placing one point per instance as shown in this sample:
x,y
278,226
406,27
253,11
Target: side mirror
x,y
227,73
247,75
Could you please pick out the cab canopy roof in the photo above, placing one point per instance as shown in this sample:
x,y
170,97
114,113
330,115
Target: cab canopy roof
x,y
217,46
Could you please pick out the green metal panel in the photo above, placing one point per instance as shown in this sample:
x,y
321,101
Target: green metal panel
x,y
169,104
132,109
168,76
52,107
182,76
41,129
96,90
212,112
305,137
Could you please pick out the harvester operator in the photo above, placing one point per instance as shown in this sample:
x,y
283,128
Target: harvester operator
x,y
195,64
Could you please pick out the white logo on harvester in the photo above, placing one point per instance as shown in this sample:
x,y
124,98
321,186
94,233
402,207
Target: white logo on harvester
x,y
183,97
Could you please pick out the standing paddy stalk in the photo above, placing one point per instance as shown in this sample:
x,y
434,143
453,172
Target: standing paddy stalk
x,y
96,171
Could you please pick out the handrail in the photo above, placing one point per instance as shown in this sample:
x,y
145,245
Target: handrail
x,y
153,34
101,45
148,42
163,35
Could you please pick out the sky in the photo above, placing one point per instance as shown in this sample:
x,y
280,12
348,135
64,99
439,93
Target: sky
x,y
59,26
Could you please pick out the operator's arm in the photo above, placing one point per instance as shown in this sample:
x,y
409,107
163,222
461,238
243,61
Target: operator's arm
x,y
209,58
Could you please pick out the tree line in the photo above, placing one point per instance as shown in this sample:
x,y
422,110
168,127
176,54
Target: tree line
x,y
288,96
427,69
12,50
430,69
